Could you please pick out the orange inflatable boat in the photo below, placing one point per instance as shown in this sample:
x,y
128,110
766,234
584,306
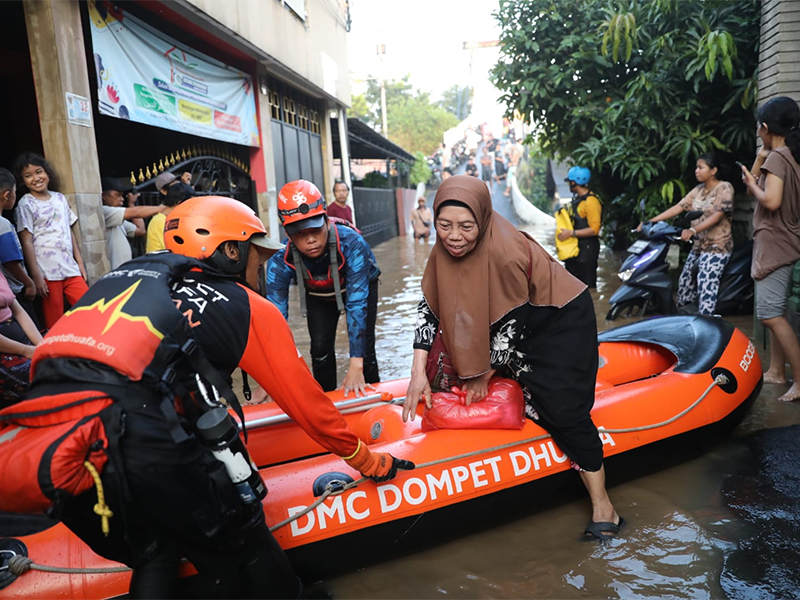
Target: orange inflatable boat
x,y
658,379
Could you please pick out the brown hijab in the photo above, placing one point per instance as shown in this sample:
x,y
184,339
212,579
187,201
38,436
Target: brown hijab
x,y
470,293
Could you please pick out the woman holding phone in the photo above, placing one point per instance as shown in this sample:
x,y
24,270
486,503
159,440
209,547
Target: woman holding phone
x,y
775,183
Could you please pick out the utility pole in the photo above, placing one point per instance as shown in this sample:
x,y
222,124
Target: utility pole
x,y
381,51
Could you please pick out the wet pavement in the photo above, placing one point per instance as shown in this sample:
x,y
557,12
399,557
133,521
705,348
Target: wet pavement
x,y
690,532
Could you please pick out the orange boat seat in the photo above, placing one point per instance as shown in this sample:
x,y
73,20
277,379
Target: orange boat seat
x,y
624,362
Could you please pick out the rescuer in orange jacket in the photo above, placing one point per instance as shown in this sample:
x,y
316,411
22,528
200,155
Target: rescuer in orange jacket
x,y
174,501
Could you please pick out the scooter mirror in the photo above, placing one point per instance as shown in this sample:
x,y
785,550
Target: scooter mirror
x,y
686,218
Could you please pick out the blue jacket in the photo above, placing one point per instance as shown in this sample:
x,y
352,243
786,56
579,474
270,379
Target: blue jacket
x,y
358,268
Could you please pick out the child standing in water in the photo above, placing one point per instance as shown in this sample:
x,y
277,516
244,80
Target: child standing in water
x,y
44,222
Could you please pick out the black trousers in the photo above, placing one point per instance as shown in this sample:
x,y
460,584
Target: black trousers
x,y
192,511
561,355
323,320
584,266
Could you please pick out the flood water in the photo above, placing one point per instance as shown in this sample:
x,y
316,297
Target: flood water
x,y
679,534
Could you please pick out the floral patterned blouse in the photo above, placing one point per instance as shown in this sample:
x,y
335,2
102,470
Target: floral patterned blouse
x,y
717,239
505,336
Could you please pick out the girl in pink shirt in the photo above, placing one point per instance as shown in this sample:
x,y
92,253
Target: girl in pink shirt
x,y
18,339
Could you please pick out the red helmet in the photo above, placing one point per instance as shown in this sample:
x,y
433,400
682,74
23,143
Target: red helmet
x,y
301,206
200,225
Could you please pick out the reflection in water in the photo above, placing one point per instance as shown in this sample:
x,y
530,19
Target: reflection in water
x,y
679,530
764,494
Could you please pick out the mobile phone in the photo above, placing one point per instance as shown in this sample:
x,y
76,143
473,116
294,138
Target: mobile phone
x,y
738,164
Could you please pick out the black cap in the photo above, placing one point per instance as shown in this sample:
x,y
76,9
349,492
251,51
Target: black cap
x,y
112,183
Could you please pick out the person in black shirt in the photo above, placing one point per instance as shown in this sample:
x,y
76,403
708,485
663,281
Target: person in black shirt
x,y
472,168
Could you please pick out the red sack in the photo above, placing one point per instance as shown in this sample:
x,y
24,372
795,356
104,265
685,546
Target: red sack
x,y
502,408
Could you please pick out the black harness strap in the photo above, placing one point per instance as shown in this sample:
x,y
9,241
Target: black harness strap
x,y
303,274
246,391
337,285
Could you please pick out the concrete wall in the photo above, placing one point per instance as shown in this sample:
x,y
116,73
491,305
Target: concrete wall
x,y
314,49
778,75
54,34
779,60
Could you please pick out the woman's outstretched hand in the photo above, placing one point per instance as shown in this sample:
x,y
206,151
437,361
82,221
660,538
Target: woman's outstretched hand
x,y
418,388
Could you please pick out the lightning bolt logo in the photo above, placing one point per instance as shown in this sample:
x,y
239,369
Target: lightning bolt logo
x,y
115,305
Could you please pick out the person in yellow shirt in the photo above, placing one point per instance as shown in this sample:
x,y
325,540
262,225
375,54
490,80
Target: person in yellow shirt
x,y
586,212
177,193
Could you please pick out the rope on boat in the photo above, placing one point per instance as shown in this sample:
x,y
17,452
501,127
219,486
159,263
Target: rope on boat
x,y
718,380
334,488
19,564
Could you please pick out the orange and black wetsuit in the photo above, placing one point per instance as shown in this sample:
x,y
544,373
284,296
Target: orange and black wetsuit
x,y
175,500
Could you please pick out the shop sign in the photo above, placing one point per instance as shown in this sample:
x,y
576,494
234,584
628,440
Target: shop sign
x,y
147,77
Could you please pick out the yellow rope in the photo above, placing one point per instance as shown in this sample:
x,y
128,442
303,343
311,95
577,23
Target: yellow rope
x,y
101,508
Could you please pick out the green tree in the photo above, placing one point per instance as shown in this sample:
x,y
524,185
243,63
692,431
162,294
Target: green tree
x,y
457,100
634,89
360,110
420,171
414,122
396,91
417,125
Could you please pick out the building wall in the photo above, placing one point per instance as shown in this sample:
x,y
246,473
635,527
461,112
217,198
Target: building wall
x,y
310,55
54,32
778,75
779,60
314,49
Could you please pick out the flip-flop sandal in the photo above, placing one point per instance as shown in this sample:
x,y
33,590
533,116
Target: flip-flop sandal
x,y
603,530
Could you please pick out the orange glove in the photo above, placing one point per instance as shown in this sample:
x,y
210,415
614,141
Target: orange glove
x,y
377,466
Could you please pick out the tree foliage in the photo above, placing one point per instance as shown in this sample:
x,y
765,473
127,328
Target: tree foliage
x,y
458,101
420,171
414,122
359,109
532,180
635,90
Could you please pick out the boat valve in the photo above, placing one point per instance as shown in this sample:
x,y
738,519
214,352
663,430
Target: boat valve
x,y
9,549
726,381
333,480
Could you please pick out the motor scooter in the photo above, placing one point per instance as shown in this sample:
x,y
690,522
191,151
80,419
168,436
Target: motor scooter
x,y
647,284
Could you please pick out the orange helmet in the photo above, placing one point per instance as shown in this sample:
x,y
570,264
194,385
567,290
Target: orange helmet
x,y
300,206
199,226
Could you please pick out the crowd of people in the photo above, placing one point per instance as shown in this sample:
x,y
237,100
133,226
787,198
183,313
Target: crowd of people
x,y
41,266
494,303
498,160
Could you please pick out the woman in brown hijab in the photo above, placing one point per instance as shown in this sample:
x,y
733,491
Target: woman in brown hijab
x,y
502,305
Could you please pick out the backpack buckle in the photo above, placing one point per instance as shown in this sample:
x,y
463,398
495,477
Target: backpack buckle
x,y
169,376
189,347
